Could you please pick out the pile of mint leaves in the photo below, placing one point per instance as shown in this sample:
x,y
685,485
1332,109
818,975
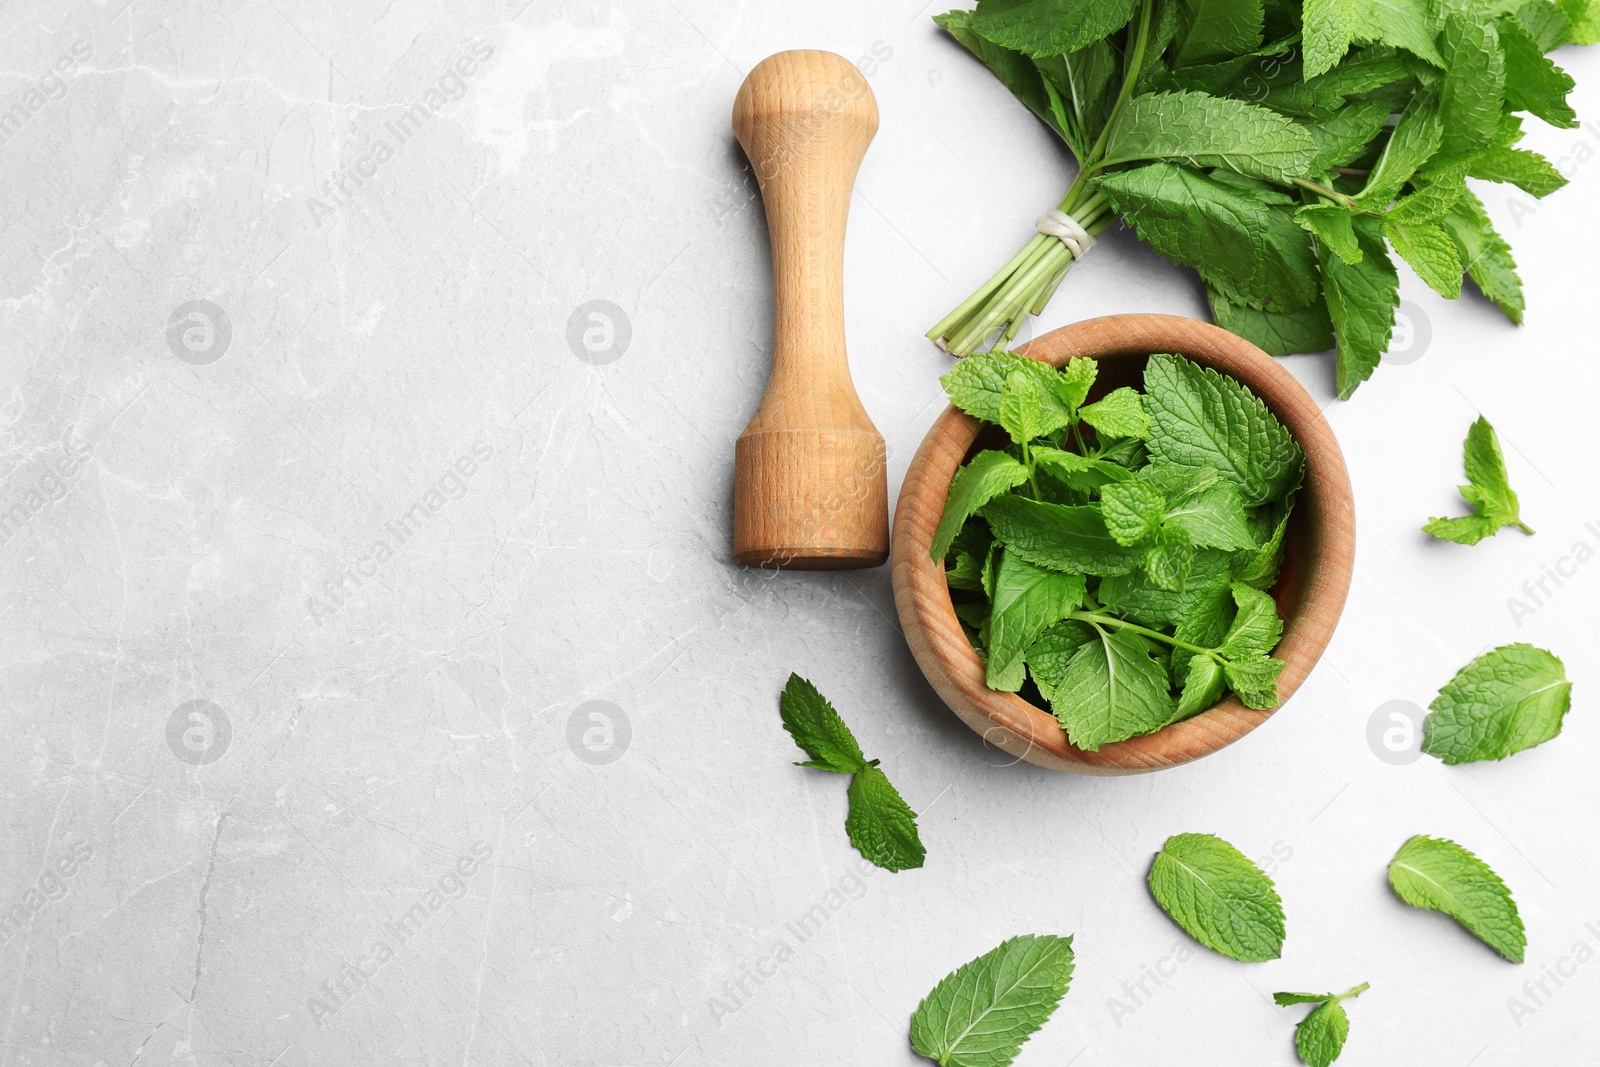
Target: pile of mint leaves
x,y
1282,150
1113,557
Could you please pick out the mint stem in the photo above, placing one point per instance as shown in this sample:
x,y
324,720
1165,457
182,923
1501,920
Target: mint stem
x,y
1356,992
1524,527
1145,631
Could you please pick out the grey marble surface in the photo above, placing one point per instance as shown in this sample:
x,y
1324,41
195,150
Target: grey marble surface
x,y
362,588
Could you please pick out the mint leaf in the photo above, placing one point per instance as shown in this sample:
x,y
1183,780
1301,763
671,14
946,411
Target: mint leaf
x,y
1218,897
1474,83
1486,254
1084,473
1528,171
1584,19
1238,237
1120,413
1027,600
977,384
1064,538
1135,595
1334,224
1213,517
1506,700
1414,141
1440,875
1332,25
1168,557
1345,133
1133,510
1198,418
1320,1036
1216,29
1048,658
980,1014
1489,491
984,477
1430,251
1254,680
1256,625
818,730
881,825
1112,689
1545,23
1016,71
1533,83
1362,298
1049,27
1277,333
1202,686
1211,131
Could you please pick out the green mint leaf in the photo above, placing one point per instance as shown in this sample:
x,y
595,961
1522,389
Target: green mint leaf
x,y
1277,333
1345,133
818,730
978,383
1199,418
1334,225
1546,24
1133,510
1363,71
1050,27
1439,875
980,1014
1256,625
1528,171
1486,254
1205,624
1474,83
1120,413
1218,897
1533,83
1084,473
1320,1036
1506,700
1021,411
1362,298
1112,689
1028,599
1432,200
1242,242
1072,539
1075,379
1211,131
1431,253
1260,566
1169,557
1489,491
882,827
1134,594
1217,29
980,480
1414,141
1202,686
1584,18
1254,680
1213,517
1048,658
1332,25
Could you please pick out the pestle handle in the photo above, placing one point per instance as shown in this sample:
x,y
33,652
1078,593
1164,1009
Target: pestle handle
x,y
810,490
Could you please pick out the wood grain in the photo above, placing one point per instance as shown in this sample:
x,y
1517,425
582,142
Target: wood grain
x,y
1319,550
809,480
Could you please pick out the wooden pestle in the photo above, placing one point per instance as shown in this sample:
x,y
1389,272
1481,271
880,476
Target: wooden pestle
x,y
809,488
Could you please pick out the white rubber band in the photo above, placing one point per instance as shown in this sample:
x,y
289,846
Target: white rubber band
x,y
1057,223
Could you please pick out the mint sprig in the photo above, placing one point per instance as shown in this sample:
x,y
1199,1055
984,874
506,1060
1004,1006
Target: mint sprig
x,y
1320,1036
881,825
1290,154
1489,491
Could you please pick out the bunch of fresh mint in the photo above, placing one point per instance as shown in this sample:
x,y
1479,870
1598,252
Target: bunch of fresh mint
x,y
1281,150
1116,553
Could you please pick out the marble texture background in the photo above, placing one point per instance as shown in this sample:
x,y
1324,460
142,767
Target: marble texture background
x,y
361,587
